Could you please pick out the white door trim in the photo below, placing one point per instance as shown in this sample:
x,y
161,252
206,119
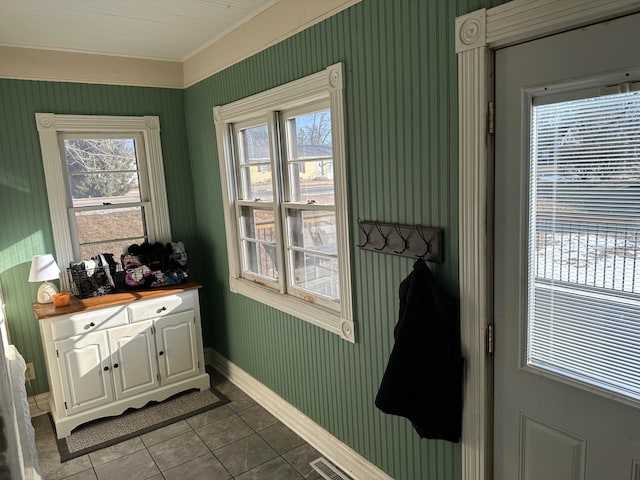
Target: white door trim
x,y
477,35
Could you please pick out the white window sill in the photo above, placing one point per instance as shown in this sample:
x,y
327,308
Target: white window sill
x,y
319,316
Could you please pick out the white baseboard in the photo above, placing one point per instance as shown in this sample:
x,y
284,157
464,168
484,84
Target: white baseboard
x,y
343,456
38,404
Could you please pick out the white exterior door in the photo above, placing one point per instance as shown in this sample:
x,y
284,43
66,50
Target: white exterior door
x,y
566,406
176,347
85,371
134,359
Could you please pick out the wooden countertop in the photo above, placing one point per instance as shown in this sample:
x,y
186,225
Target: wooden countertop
x,y
48,310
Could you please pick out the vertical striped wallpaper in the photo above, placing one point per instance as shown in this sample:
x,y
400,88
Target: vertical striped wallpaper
x,y
25,226
401,114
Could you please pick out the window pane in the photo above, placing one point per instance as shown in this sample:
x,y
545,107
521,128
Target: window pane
x,y
259,242
258,224
256,183
255,164
260,259
104,188
310,153
316,274
254,145
312,181
310,136
584,241
110,224
313,230
102,170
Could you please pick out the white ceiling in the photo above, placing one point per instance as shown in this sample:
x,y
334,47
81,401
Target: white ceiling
x,y
156,29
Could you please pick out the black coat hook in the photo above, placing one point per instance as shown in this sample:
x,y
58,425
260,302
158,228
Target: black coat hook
x,y
385,237
366,234
405,242
426,242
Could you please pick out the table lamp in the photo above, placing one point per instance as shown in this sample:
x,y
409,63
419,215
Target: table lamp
x,y
43,268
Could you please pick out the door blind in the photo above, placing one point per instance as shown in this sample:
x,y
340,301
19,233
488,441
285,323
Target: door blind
x,y
584,242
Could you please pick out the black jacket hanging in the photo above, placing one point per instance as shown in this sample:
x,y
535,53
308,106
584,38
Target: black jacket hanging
x,y
423,379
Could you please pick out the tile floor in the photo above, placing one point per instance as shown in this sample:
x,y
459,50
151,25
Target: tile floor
x,y
239,440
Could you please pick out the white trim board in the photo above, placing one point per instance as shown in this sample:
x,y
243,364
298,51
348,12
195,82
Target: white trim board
x,y
22,63
340,454
477,35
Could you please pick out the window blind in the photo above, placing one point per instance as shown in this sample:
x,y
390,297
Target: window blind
x,y
583,318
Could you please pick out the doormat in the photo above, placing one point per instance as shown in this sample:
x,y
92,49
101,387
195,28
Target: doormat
x,y
104,432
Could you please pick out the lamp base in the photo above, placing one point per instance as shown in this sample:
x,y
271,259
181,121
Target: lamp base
x,y
45,292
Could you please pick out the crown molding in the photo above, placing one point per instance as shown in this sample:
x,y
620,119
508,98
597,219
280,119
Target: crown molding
x,y
50,65
281,20
274,24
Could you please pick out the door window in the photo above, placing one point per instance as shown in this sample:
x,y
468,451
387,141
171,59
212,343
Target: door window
x,y
584,239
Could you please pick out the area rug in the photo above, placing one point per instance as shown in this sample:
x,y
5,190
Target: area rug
x,y
105,432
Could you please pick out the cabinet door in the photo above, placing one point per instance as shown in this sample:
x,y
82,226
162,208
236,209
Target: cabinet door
x,y
133,359
176,346
84,371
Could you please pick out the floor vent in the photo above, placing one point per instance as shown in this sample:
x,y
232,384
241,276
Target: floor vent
x,y
327,470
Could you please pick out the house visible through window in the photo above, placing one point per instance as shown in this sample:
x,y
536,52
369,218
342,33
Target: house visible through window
x,y
286,208
99,172
584,239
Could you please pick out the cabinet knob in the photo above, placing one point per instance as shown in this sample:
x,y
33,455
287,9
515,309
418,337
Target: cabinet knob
x,y
92,324
115,365
161,353
106,369
163,309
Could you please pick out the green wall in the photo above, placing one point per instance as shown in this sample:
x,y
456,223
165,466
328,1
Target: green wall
x,y
25,226
401,117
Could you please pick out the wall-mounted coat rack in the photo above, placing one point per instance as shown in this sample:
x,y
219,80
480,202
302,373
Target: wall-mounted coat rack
x,y
404,240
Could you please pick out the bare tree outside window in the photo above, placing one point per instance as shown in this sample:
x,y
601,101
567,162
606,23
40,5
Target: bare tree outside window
x,y
101,167
105,194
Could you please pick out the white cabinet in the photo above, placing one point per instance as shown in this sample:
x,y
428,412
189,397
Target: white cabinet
x,y
81,361
176,346
110,353
134,367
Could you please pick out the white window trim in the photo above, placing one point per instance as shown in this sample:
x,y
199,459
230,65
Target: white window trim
x,y
478,34
50,125
326,84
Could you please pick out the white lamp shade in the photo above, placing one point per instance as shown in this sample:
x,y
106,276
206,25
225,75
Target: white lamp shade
x,y
43,267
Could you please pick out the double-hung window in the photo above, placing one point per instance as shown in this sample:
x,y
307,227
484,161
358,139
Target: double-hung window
x,y
105,183
107,191
284,182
